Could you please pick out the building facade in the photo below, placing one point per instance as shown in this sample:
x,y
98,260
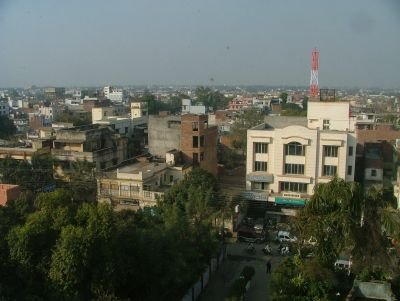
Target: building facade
x,y
286,159
199,142
4,108
95,144
138,185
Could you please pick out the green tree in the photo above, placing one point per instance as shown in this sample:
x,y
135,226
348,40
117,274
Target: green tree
x,y
341,218
305,103
243,122
82,181
284,97
210,98
7,127
298,279
30,176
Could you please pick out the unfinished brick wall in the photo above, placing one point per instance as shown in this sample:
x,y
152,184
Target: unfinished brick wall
x,y
199,142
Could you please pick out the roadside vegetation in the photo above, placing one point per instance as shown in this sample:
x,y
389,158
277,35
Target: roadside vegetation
x,y
53,247
343,222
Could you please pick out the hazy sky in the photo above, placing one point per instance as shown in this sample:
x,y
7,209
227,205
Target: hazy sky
x,y
135,42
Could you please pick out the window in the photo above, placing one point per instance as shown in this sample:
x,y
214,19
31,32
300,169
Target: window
x,y
294,149
102,165
195,126
349,170
326,124
201,156
293,187
125,190
202,140
260,166
350,151
330,170
294,169
260,186
260,148
195,157
373,172
135,189
171,179
195,141
104,188
126,130
330,151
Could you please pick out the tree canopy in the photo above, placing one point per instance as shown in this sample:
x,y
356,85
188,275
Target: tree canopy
x,y
53,248
7,127
211,98
342,221
246,120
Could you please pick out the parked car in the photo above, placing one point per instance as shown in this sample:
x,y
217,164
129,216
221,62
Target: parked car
x,y
284,236
342,265
248,234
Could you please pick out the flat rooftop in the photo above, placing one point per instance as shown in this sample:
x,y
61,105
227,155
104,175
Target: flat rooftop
x,y
273,122
138,167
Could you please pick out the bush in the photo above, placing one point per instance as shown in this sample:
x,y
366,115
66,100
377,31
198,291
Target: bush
x,y
248,273
238,288
237,291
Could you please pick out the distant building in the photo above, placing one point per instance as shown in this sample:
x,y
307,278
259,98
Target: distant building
x,y
48,114
54,93
114,94
4,108
240,103
199,142
138,185
8,192
164,134
189,133
98,145
189,108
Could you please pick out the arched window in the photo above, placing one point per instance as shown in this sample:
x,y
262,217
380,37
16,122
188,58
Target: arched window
x,y
294,149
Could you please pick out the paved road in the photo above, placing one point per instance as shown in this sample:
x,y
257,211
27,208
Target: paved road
x,y
229,271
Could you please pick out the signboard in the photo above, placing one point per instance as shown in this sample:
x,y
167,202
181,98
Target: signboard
x,y
255,196
289,201
259,178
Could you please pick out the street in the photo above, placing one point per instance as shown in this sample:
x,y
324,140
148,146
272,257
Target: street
x,y
237,258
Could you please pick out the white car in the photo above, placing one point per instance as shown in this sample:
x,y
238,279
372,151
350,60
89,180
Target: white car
x,y
284,236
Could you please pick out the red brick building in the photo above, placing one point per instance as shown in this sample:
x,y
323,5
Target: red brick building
x,y
199,142
8,192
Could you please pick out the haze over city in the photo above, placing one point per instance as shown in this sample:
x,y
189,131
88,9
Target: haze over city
x,y
93,43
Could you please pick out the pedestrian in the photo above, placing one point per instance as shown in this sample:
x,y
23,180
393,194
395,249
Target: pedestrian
x,y
269,267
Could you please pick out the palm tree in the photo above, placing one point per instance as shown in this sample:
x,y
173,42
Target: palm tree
x,y
341,218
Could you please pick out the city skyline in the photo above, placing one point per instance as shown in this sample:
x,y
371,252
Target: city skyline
x,y
265,43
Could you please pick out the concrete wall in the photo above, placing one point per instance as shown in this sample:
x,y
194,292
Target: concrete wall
x,y
164,134
338,114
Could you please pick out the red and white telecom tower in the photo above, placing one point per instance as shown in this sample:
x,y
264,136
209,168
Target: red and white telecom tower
x,y
314,87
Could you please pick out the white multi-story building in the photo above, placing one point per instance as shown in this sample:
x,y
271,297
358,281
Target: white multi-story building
x,y
287,157
4,108
189,108
121,124
48,114
114,94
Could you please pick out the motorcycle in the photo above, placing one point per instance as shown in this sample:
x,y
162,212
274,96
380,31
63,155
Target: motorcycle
x,y
250,249
267,250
